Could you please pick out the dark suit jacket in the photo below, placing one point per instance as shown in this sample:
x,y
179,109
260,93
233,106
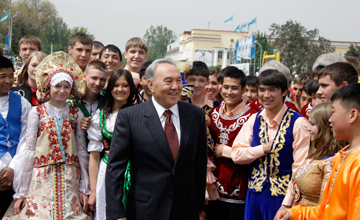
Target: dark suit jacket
x,y
159,188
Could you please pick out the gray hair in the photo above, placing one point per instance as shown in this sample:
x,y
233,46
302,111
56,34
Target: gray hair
x,y
150,71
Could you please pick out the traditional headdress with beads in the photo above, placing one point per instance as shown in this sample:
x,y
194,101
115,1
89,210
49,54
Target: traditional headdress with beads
x,y
59,62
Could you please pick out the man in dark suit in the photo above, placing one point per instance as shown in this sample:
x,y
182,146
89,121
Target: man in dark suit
x,y
167,152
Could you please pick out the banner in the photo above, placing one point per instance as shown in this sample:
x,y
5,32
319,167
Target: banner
x,y
5,17
7,44
204,56
245,67
253,47
235,50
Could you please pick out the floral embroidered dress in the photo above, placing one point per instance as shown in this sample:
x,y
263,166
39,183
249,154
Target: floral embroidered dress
x,y
52,170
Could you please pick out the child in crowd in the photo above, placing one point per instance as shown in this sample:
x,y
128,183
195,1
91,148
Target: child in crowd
x,y
145,93
198,76
306,94
214,87
308,182
310,88
13,118
26,84
341,197
225,123
120,93
251,91
51,178
299,83
333,77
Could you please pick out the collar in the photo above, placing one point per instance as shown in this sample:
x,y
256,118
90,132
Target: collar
x,y
4,98
160,109
238,109
208,102
278,117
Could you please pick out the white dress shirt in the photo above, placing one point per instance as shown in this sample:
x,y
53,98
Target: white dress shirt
x,y
175,117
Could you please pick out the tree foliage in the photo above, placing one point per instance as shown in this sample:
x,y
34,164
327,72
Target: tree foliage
x,y
266,46
298,46
354,51
39,18
157,38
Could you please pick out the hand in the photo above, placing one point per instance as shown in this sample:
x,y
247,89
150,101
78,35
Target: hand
x,y
84,202
267,147
282,207
122,218
6,178
207,120
282,215
218,150
202,215
85,123
19,204
92,202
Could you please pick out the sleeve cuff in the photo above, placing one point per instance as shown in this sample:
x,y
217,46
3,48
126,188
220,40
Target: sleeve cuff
x,y
226,152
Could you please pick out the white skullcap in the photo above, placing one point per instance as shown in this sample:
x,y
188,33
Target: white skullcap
x,y
327,59
59,77
276,65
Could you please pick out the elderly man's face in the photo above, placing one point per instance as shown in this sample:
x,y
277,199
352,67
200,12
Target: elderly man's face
x,y
167,86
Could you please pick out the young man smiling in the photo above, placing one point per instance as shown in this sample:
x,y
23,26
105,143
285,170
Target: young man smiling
x,y
112,57
274,142
225,123
135,54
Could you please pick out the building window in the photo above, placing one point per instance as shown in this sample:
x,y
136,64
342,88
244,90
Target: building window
x,y
220,55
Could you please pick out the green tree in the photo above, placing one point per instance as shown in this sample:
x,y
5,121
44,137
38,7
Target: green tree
x,y
80,29
353,51
266,46
57,34
298,46
157,38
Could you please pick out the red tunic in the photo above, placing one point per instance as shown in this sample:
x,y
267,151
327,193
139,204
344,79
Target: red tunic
x,y
232,179
305,110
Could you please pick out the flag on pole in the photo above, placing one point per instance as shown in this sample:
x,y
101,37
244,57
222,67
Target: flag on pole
x,y
229,19
237,28
253,21
240,29
7,44
5,17
253,47
235,50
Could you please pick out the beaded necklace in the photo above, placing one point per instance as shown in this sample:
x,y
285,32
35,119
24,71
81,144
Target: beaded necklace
x,y
338,169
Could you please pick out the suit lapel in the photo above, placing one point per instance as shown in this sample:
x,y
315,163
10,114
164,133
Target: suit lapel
x,y
153,124
184,126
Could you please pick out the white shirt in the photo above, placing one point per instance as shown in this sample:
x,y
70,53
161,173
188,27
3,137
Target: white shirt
x,y
91,108
175,117
5,160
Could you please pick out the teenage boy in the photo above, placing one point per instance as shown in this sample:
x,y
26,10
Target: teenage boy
x,y
135,54
333,77
225,123
80,49
251,91
14,113
341,197
112,57
145,93
299,83
198,76
309,98
275,141
97,46
95,79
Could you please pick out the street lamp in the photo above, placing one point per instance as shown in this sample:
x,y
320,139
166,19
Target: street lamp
x,y
10,25
231,52
257,42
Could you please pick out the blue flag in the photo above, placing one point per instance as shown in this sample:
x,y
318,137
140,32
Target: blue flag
x,y
229,19
5,17
237,28
253,47
236,50
251,22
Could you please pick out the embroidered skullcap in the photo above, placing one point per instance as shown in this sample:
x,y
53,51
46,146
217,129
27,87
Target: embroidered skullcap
x,y
188,91
53,65
327,59
276,65
59,77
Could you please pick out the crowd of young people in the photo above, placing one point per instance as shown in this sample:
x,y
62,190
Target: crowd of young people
x,y
271,154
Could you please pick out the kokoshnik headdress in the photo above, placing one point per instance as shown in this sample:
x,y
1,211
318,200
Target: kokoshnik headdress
x,y
59,63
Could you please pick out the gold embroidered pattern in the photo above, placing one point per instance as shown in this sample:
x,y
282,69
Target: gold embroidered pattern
x,y
279,184
259,176
58,190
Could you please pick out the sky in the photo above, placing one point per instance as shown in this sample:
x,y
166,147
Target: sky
x,y
114,21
